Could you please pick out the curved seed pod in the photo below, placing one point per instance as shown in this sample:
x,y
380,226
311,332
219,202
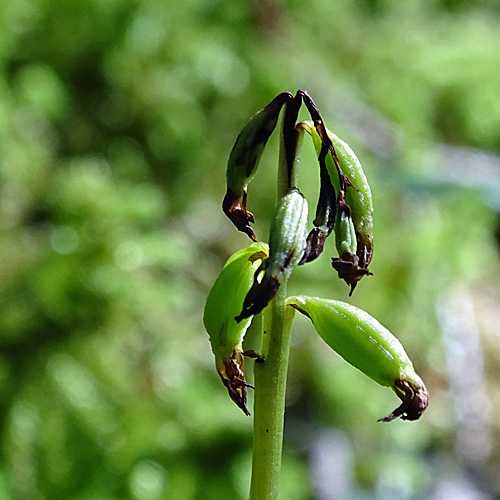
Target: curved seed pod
x,y
244,159
359,199
223,303
287,241
353,266
364,343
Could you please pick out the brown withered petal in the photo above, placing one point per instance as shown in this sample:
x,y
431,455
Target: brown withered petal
x,y
347,266
325,216
259,296
314,245
235,207
233,376
364,251
414,402
319,125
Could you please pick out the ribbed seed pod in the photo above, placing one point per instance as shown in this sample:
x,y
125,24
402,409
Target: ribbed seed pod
x,y
345,234
244,159
287,242
364,343
357,197
223,303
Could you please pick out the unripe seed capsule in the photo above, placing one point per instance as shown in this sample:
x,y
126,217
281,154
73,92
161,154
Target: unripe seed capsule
x,y
364,343
287,241
358,198
345,234
223,303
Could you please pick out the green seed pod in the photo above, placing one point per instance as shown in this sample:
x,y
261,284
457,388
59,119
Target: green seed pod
x,y
347,264
364,343
244,159
359,198
223,303
345,234
287,242
354,265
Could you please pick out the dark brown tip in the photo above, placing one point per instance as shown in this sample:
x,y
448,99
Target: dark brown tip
x,y
348,268
298,308
233,377
414,401
234,206
314,245
258,296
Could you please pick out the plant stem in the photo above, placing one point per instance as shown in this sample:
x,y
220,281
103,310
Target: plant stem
x,y
269,403
270,375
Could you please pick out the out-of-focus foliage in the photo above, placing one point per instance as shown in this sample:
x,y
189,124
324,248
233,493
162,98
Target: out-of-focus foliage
x,y
116,120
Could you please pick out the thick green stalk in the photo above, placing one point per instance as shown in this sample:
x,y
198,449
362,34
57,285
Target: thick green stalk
x,y
269,403
270,375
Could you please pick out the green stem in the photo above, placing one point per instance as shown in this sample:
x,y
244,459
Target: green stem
x,y
269,403
270,374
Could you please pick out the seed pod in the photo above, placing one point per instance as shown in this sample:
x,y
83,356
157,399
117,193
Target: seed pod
x,y
364,343
353,266
287,241
345,234
223,303
244,159
359,199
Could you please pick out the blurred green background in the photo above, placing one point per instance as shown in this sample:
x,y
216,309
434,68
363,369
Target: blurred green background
x,y
116,120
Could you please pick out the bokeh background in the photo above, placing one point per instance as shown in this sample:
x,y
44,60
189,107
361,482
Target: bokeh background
x,y
116,120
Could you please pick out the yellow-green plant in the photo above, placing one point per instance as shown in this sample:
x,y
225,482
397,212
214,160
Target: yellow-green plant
x,y
254,280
